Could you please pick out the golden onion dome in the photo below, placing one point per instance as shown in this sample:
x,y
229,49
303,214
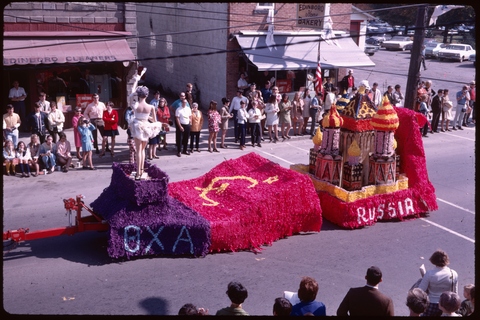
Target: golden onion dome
x,y
386,118
332,119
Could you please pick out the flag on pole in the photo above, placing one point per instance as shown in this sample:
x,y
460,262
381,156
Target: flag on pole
x,y
439,10
269,40
318,79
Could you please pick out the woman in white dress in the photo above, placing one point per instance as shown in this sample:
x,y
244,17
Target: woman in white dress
x,y
447,106
271,110
140,127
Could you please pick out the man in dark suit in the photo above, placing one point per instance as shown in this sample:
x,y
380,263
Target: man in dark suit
x,y
37,122
436,110
367,300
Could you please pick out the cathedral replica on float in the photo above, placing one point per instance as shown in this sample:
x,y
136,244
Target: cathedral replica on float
x,y
355,167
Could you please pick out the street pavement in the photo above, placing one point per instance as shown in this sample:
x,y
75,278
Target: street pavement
x,y
75,276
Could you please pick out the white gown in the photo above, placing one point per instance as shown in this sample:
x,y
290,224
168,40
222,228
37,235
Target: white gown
x,y
142,129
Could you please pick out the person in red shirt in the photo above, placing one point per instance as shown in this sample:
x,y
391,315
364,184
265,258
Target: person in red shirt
x,y
110,118
470,110
163,115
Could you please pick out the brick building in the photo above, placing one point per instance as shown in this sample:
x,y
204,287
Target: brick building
x,y
91,46
209,44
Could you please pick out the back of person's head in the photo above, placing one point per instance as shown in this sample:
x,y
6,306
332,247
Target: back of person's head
x,y
282,307
449,301
417,300
439,258
374,275
236,292
188,309
308,289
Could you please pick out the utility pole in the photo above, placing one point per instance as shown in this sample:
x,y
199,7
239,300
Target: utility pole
x,y
416,58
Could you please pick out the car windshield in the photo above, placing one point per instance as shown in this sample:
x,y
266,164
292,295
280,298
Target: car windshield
x,y
400,39
431,44
456,47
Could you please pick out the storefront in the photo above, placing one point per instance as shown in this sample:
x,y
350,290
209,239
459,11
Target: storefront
x,y
67,64
295,56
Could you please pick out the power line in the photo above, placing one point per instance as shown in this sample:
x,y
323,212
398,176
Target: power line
x,y
195,10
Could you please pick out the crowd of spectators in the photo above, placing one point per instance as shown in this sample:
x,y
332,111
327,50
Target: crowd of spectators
x,y
442,298
258,116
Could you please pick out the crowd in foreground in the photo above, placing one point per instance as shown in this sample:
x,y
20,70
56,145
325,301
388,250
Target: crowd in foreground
x,y
434,295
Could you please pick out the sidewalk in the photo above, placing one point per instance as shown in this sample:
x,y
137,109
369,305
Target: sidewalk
x,y
121,147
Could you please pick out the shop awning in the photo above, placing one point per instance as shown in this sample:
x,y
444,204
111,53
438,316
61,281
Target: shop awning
x,y
30,51
301,52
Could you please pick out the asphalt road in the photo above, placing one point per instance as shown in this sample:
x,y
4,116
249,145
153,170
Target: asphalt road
x,y
75,276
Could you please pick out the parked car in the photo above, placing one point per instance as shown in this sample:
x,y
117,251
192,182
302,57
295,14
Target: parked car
x,y
432,49
457,52
370,49
472,58
374,41
396,43
410,45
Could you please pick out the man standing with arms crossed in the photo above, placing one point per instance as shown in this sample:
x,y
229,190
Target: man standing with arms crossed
x,y
94,112
234,107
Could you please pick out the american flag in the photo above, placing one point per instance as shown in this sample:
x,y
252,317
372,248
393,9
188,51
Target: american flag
x,y
318,79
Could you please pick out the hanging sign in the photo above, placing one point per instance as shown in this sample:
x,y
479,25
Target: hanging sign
x,y
310,15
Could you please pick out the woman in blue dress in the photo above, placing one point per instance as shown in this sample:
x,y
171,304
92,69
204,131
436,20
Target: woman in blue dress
x,y
85,129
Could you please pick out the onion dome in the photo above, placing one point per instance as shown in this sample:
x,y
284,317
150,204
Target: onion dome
x,y
342,100
386,118
332,119
354,149
353,153
317,139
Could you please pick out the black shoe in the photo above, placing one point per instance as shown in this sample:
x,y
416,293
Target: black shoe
x,y
253,145
258,144
425,136
236,140
460,128
107,149
454,129
178,154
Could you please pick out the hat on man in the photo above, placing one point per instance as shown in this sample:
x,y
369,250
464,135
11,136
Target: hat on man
x,y
350,71
472,82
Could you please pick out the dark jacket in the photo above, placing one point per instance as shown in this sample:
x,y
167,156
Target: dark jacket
x,y
436,104
35,126
365,301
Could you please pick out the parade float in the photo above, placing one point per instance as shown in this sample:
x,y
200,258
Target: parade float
x,y
369,165
366,166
